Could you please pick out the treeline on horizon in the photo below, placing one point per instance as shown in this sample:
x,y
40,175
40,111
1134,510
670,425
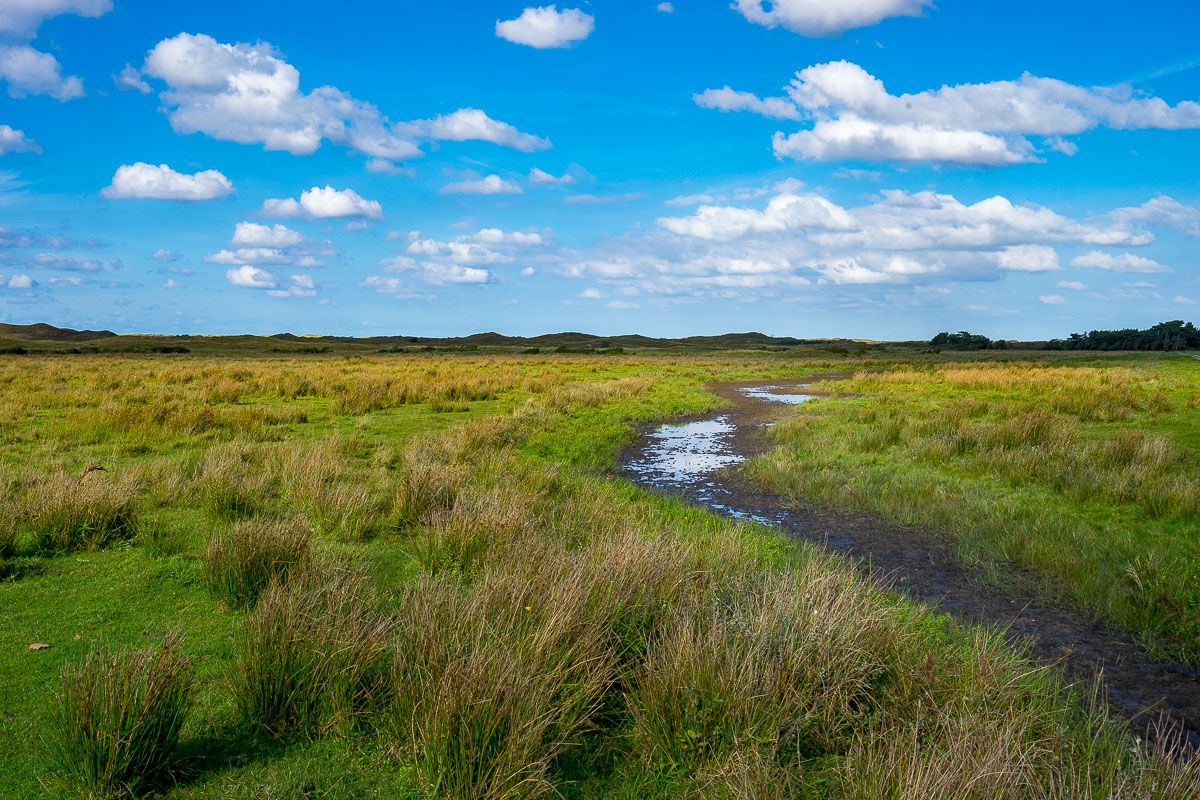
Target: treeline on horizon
x,y
1173,335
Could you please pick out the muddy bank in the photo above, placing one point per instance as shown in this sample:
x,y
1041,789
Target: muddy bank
x,y
696,459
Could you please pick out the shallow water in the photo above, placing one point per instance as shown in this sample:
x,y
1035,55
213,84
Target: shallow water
x,y
772,394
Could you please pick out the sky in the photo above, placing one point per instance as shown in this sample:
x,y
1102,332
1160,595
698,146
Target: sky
x,y
881,169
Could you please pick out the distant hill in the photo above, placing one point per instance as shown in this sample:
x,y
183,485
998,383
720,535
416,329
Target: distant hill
x,y
41,332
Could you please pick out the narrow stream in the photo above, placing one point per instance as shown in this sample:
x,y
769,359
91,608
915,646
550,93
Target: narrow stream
x,y
693,460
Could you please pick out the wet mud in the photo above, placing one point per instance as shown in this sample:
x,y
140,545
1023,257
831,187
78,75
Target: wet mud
x,y
696,459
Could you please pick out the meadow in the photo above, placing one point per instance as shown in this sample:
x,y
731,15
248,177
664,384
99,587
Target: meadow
x,y
413,575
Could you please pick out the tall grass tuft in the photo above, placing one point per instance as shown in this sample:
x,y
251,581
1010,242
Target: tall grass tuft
x,y
239,565
90,513
313,656
118,717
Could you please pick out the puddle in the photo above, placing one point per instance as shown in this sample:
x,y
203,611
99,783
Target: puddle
x,y
680,456
774,395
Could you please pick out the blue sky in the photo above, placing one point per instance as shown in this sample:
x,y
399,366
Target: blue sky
x,y
857,168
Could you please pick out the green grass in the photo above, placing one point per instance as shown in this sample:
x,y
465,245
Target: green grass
x,y
1087,475
484,613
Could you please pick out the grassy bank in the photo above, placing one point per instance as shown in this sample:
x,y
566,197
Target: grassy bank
x,y
409,577
1085,472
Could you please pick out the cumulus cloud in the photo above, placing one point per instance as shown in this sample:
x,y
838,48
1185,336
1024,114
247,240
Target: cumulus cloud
x,y
542,177
296,286
323,203
471,124
248,94
666,8
250,277
164,255
129,79
1165,211
464,259
728,99
16,281
826,17
492,184
1052,299
144,180
24,17
252,234
15,141
393,287
437,273
854,117
30,71
1073,285
1119,262
546,27
257,244
799,241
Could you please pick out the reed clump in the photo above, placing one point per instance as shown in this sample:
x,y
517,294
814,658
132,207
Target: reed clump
x,y
117,718
240,563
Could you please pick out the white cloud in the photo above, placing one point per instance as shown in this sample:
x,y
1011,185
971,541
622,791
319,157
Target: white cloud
x,y
1028,258
1121,262
318,203
1187,301
826,17
252,234
171,283
798,242
545,26
248,94
542,177
666,8
1052,299
130,79
1074,285
437,273
163,183
492,184
251,277
691,200
393,287
987,124
527,272
592,294
19,282
30,71
24,17
164,255
471,124
853,137
727,99
1165,211
297,286
15,141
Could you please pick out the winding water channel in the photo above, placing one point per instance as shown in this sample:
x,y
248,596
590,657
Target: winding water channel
x,y
696,460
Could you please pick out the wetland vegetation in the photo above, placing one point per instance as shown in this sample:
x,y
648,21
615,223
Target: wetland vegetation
x,y
415,575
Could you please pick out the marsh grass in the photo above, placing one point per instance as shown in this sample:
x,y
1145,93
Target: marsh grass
x,y
64,514
1030,464
313,656
118,716
485,615
239,564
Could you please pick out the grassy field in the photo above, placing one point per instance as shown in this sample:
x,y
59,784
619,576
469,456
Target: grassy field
x,y
410,576
1086,472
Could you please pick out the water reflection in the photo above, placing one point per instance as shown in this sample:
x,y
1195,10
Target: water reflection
x,y
773,394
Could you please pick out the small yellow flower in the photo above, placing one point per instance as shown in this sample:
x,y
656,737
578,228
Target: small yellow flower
x,y
529,608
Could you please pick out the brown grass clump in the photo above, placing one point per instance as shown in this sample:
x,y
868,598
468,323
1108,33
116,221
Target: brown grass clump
x,y
68,513
238,565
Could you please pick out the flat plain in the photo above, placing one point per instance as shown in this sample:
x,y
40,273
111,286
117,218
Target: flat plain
x,y
353,575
